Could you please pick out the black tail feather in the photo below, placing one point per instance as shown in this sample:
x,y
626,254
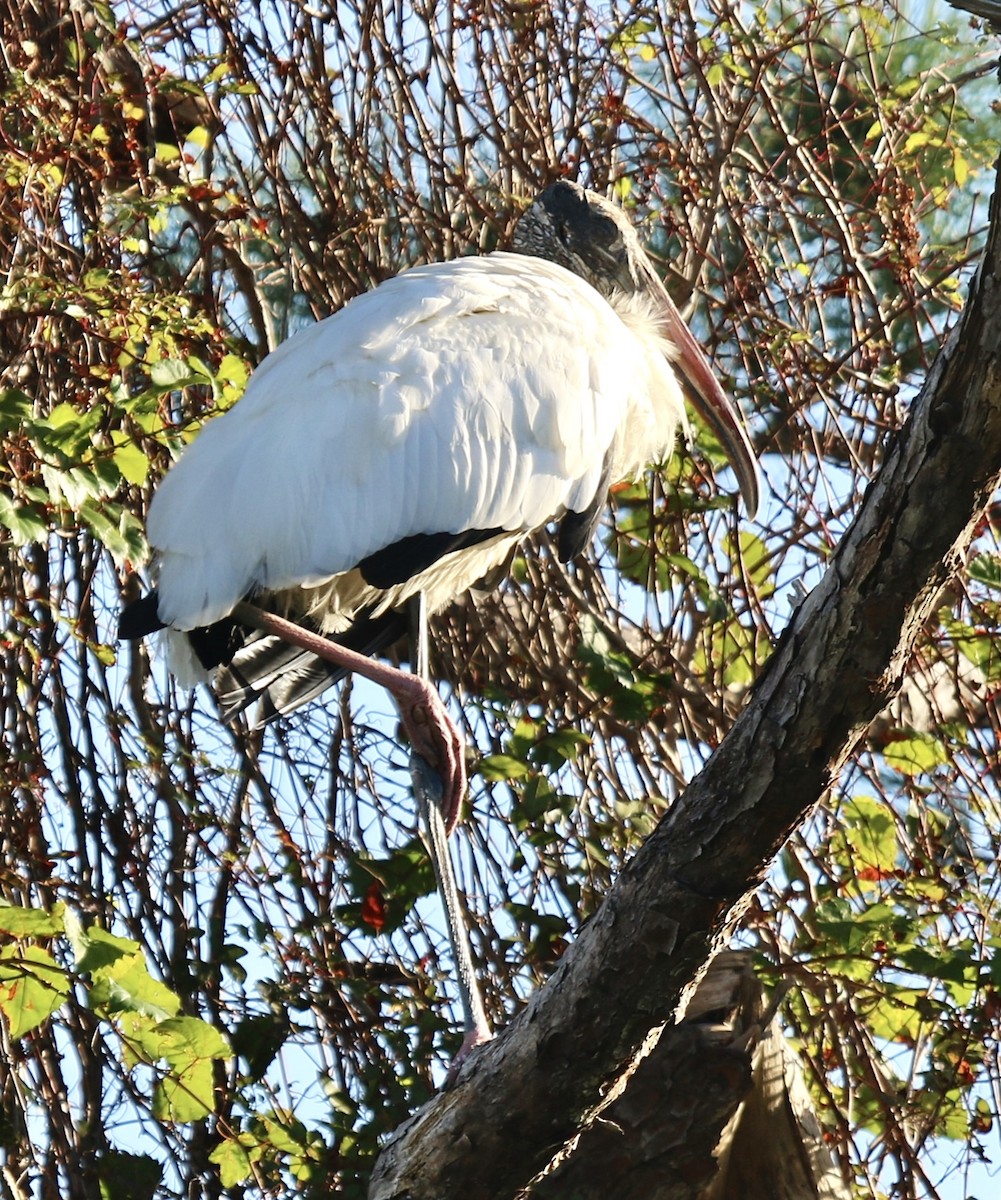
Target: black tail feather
x,y
213,644
139,618
216,644
253,666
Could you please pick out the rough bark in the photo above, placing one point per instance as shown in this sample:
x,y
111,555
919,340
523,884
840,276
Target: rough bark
x,y
723,1084
645,1149
774,1148
521,1099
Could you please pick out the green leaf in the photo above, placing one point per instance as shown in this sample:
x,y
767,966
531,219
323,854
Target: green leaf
x,y
846,939
32,922
74,486
32,987
15,409
559,747
121,982
118,529
898,1015
66,432
872,834
189,1046
958,968
401,878
755,559
523,737
132,463
186,1095
951,1113
129,987
734,648
915,754
233,1162
24,521
983,1116
981,647
258,1039
606,666
636,551
170,374
188,1039
985,569
231,378
684,566
497,767
96,948
538,800
128,1176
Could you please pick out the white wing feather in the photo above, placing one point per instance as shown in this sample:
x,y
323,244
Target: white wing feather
x,y
477,394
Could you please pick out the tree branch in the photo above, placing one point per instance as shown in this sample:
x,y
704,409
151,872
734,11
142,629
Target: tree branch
x,y
520,1099
987,10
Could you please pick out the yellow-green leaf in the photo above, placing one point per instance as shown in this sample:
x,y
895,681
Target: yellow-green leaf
x,y
919,139
32,987
32,922
186,1095
870,830
187,1039
121,978
166,152
916,754
199,135
960,168
897,1015
232,1160
133,464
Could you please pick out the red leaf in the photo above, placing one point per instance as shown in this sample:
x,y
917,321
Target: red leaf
x,y
373,908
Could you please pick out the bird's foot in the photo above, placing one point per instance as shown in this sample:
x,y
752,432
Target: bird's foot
x,y
434,736
479,1035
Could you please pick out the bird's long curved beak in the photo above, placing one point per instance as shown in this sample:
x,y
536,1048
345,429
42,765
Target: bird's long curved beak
x,y
711,402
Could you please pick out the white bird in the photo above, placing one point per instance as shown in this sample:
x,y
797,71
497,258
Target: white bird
x,y
403,448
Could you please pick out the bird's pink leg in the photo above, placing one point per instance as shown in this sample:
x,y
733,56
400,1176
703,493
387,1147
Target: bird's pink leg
x,y
438,771
432,732
427,789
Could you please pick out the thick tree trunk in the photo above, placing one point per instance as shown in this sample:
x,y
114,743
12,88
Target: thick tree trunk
x,y
734,1095
643,1149
774,1148
520,1100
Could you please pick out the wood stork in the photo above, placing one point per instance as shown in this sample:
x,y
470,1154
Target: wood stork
x,y
401,449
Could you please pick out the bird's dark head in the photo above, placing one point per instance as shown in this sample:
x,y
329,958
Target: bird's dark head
x,y
585,233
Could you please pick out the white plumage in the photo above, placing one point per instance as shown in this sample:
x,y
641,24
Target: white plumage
x,y
481,394
400,450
